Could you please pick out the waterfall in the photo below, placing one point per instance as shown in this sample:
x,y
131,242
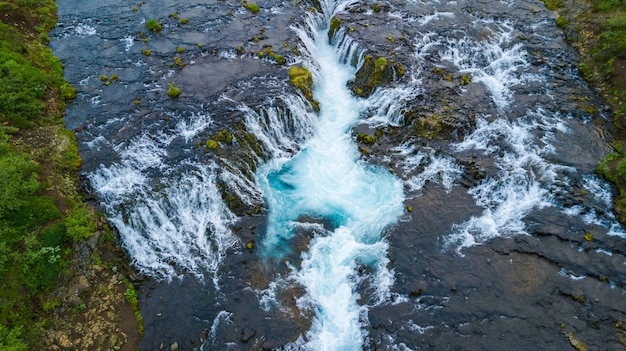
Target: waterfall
x,y
326,180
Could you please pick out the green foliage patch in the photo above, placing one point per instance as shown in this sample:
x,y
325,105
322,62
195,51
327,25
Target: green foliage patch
x,y
34,233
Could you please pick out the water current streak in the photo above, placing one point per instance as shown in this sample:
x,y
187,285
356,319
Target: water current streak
x,y
326,180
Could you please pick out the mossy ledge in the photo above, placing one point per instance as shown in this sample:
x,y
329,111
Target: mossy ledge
x,y
374,73
302,79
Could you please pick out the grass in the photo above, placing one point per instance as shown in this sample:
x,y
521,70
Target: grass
x,y
37,225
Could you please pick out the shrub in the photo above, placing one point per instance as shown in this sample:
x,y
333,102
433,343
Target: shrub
x,y
18,182
79,222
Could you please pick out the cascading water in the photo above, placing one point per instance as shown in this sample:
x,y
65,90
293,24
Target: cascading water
x,y
326,180
482,139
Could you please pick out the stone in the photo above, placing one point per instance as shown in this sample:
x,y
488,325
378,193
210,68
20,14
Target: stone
x,y
247,334
174,346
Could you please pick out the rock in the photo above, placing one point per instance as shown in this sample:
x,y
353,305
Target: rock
x,y
373,73
247,334
79,285
64,341
174,346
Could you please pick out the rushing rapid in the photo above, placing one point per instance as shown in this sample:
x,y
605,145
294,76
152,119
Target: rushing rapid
x,y
326,180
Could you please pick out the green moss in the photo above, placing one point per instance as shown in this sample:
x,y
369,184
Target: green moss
x,y
173,91
552,5
153,25
224,136
254,8
280,59
561,22
377,7
466,79
68,92
302,79
212,144
180,50
335,23
179,62
585,71
375,72
184,21
430,126
146,52
365,138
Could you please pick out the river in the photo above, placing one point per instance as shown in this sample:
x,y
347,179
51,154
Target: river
x,y
455,206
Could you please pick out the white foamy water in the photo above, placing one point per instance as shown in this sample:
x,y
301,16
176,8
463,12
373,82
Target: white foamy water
x,y
420,168
522,182
326,180
170,219
493,61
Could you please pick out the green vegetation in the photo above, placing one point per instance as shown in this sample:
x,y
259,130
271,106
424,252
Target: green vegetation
x,y
552,5
173,91
184,20
375,72
179,62
280,59
29,74
466,79
597,28
153,25
254,8
212,144
302,79
335,23
41,213
365,138
34,240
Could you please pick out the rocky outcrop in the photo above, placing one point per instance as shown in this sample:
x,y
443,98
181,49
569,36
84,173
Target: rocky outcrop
x,y
374,73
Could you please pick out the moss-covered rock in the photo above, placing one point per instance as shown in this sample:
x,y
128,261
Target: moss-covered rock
x,y
212,144
302,79
254,8
366,138
373,73
173,91
335,24
153,25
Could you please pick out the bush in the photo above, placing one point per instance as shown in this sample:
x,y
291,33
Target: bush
x,y
18,182
79,222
